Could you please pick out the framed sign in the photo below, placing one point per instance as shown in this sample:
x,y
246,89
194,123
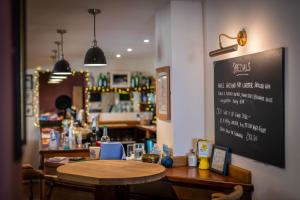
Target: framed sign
x,y
163,93
29,110
120,79
219,160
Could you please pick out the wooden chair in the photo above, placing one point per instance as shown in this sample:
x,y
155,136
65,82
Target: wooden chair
x,y
235,195
54,182
30,174
161,189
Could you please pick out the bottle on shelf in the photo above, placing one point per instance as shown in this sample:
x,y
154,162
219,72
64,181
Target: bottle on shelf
x,y
66,144
100,80
104,83
132,81
137,79
95,125
108,79
105,137
53,140
72,142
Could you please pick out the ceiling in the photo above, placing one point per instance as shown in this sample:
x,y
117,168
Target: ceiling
x,y
122,24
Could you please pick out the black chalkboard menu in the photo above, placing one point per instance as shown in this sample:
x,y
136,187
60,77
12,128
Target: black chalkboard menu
x,y
249,105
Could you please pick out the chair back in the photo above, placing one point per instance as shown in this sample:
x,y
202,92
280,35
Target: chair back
x,y
235,195
112,151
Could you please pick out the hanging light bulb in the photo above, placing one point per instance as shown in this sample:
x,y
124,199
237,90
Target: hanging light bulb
x,y
94,57
62,67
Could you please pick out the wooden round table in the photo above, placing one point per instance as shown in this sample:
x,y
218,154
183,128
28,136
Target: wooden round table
x,y
111,177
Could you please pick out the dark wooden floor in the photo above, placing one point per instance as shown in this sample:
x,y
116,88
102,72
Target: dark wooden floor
x,y
164,193
58,193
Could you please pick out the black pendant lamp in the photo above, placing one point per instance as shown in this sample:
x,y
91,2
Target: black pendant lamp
x,y
62,67
94,57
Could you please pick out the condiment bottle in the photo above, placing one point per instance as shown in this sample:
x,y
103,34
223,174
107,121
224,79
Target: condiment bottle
x,y
192,159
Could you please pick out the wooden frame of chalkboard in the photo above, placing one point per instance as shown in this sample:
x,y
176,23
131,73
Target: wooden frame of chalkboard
x,y
249,105
220,159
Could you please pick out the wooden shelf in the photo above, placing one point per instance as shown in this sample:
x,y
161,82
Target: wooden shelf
x,y
126,142
47,123
109,89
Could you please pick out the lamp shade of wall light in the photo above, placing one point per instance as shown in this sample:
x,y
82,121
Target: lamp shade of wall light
x,y
241,40
94,57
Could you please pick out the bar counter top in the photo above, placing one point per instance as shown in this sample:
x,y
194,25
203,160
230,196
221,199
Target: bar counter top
x,y
195,176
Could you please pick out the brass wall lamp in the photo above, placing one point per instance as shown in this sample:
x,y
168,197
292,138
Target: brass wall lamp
x,y
241,40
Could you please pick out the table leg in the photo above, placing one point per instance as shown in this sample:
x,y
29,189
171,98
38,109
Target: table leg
x,y
110,192
42,160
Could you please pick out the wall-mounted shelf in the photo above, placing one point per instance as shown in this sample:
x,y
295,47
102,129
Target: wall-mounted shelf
x,y
121,90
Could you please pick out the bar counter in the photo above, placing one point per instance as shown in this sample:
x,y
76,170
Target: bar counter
x,y
148,130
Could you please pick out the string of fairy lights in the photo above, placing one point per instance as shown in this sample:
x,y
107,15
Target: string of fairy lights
x,y
36,97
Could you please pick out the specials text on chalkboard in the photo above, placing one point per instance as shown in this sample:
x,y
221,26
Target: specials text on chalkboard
x,y
249,105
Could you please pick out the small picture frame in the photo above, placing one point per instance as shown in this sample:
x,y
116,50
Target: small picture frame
x,y
29,110
28,82
120,79
219,160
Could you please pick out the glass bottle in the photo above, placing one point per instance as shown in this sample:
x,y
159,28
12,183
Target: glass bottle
x,y
104,82
137,80
133,81
105,137
66,141
100,80
192,159
108,79
53,141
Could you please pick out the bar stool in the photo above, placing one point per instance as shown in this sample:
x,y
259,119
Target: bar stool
x,y
30,174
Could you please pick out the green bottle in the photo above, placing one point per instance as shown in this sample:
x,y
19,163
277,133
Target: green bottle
x,y
100,80
104,81
132,81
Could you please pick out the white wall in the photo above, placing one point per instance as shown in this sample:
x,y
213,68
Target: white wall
x,y
187,74
179,44
163,58
269,24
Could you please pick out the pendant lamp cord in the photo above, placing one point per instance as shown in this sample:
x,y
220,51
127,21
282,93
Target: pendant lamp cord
x,y
62,45
61,32
95,41
58,50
